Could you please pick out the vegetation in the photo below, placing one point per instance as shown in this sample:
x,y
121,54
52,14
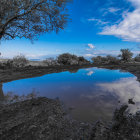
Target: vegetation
x,y
42,118
105,60
50,62
30,18
16,62
126,55
124,126
82,60
19,61
137,58
70,59
67,59
12,98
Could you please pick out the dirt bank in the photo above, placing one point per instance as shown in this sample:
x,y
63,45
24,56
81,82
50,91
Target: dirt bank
x,y
45,119
126,67
40,119
8,75
28,72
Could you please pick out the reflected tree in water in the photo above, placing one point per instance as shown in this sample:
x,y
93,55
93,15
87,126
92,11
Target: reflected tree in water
x,y
73,70
1,92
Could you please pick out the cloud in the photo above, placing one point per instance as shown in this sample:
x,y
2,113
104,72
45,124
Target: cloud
x,y
39,56
92,53
113,10
135,2
90,73
138,46
98,21
91,46
124,89
129,28
88,55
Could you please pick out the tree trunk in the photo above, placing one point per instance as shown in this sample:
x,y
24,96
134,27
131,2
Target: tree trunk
x,y
0,37
1,92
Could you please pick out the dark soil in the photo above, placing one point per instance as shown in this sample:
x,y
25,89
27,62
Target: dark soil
x,y
45,119
7,75
125,67
40,119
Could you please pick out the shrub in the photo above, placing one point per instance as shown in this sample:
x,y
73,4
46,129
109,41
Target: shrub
x,y
67,59
50,62
98,59
6,64
20,61
126,55
112,59
82,60
137,58
105,60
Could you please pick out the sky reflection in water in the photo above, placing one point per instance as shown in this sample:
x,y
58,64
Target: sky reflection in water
x,y
93,93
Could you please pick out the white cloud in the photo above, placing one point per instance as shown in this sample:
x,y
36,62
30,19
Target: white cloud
x,y
124,89
90,73
135,2
91,46
99,21
88,55
40,56
129,28
92,53
113,10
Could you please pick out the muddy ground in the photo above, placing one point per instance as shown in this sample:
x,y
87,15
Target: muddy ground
x,y
7,75
46,119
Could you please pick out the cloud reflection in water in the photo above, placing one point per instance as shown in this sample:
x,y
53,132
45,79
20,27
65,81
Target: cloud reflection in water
x,y
124,89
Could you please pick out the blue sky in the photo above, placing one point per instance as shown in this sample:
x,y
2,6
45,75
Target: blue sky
x,y
97,27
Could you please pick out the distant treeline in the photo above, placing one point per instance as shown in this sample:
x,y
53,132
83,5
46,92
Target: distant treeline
x,y
63,59
126,56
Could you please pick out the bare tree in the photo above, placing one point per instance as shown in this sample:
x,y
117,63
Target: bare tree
x,y
30,18
126,55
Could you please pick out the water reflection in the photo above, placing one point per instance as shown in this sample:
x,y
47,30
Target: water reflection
x,y
93,93
90,73
73,70
1,92
124,89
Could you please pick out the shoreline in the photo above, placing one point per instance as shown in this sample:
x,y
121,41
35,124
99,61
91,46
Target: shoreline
x,y
37,71
45,119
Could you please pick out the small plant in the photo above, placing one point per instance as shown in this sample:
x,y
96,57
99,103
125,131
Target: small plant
x,y
10,97
20,61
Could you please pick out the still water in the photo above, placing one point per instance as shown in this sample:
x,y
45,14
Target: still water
x,y
91,93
